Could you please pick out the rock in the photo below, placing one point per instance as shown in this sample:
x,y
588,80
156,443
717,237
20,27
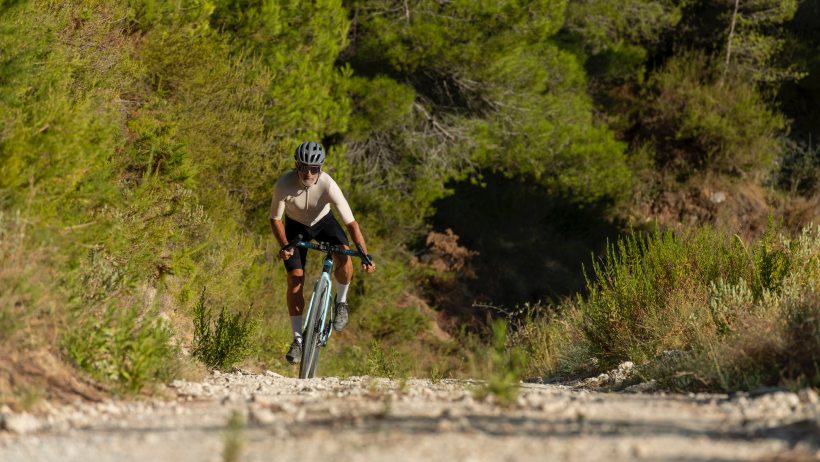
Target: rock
x,y
717,197
21,424
274,375
809,396
642,387
192,389
261,415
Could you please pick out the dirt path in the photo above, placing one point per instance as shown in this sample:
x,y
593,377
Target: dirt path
x,y
364,419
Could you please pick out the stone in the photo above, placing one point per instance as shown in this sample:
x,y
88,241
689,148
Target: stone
x,y
21,424
192,389
642,387
261,415
717,197
808,395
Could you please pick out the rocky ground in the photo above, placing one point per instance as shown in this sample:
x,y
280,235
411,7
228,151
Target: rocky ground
x,y
248,417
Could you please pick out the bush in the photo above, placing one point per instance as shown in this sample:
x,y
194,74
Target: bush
x,y
700,122
223,342
123,347
765,339
546,339
800,168
506,366
651,292
738,317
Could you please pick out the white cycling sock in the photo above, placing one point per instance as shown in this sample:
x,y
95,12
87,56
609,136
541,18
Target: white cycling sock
x,y
296,326
341,292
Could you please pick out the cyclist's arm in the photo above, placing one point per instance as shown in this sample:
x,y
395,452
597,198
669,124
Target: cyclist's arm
x,y
278,231
277,210
338,199
358,238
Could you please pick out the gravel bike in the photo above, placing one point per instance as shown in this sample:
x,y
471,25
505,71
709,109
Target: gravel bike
x,y
318,321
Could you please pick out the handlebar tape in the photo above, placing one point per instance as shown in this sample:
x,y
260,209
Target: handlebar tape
x,y
293,243
368,260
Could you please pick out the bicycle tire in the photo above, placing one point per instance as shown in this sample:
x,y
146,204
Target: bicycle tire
x,y
310,337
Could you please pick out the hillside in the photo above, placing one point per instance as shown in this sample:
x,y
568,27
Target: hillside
x,y
557,140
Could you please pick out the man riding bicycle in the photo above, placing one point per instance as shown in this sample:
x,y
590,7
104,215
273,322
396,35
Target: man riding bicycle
x,y
304,195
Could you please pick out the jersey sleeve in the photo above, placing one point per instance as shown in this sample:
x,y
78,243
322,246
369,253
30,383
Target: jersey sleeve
x,y
339,201
277,203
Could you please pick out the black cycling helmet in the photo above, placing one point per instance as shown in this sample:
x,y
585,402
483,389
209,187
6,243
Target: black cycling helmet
x,y
311,153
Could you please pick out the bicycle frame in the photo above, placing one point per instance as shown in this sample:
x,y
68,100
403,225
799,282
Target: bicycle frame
x,y
325,323
317,326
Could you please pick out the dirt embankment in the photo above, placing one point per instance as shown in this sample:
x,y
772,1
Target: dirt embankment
x,y
367,419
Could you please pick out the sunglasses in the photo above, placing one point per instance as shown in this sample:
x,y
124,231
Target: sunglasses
x,y
304,168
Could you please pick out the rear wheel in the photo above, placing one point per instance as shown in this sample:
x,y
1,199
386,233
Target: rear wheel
x,y
310,337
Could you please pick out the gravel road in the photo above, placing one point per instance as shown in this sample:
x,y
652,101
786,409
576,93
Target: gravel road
x,y
369,419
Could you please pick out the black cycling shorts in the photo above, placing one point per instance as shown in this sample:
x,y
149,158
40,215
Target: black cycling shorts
x,y
325,230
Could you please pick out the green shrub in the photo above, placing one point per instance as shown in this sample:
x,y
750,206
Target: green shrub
x,y
651,292
737,317
379,363
546,340
395,323
764,339
701,122
122,347
800,168
225,341
506,366
234,438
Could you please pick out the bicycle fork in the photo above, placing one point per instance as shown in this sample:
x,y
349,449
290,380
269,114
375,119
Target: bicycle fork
x,y
326,319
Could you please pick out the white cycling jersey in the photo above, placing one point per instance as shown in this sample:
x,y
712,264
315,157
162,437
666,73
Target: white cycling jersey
x,y
308,205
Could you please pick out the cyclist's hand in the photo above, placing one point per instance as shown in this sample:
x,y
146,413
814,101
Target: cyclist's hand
x,y
285,254
369,268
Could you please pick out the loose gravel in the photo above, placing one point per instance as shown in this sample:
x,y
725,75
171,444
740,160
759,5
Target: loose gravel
x,y
373,419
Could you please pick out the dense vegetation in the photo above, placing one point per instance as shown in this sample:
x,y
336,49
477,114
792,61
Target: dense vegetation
x,y
139,142
701,310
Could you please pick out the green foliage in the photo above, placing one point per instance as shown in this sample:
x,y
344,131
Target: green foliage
x,y
800,168
646,297
139,143
125,347
544,341
222,342
489,91
752,50
58,112
379,363
378,105
609,25
689,293
772,262
506,366
234,439
769,341
425,33
22,285
401,324
543,126
700,123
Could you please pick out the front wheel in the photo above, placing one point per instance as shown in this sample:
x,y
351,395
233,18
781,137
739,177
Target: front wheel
x,y
310,337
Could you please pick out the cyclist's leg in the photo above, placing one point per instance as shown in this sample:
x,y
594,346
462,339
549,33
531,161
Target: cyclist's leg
x,y
330,231
296,297
295,294
295,266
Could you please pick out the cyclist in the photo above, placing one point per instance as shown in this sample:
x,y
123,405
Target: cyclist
x,y
304,196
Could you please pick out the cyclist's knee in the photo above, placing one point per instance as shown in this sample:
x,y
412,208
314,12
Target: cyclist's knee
x,y
295,279
341,260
